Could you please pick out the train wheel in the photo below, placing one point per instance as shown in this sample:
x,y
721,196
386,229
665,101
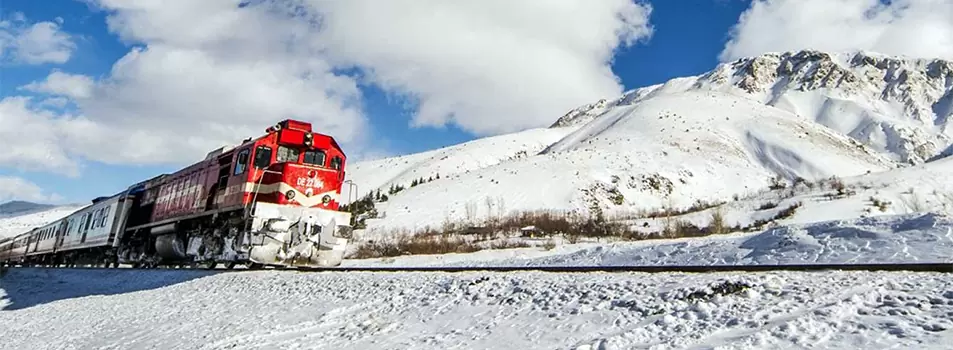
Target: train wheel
x,y
230,265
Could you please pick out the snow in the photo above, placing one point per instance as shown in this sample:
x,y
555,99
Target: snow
x,y
693,145
253,310
727,132
925,237
446,161
17,223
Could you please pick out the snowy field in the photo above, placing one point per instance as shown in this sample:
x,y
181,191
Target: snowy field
x,y
283,310
925,238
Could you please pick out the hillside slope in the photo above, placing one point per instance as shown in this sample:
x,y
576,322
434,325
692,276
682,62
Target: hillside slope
x,y
451,160
728,132
899,106
669,151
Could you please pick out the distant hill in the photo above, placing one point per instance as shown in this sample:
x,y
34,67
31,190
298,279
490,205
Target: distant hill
x,y
17,217
17,208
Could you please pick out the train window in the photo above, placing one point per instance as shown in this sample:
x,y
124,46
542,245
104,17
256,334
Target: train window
x,y
314,157
89,221
105,216
336,163
286,154
242,162
262,157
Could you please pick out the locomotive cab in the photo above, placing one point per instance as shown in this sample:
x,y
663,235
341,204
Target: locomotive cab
x,y
292,165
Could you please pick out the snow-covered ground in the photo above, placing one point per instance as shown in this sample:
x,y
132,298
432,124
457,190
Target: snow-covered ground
x,y
282,310
907,238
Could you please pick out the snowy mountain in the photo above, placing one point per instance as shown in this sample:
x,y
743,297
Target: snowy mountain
x,y
18,217
14,208
730,132
452,160
899,106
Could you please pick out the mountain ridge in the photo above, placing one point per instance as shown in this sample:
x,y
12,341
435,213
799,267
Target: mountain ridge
x,y
19,207
923,89
802,115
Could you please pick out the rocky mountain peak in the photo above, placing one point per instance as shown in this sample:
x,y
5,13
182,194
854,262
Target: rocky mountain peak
x,y
899,105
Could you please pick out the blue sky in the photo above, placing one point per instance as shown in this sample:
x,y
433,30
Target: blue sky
x,y
100,125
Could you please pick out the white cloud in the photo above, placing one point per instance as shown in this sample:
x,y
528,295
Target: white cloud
x,y
918,28
489,66
207,73
41,42
63,84
34,138
15,188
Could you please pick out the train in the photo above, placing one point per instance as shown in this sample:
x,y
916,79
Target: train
x,y
273,200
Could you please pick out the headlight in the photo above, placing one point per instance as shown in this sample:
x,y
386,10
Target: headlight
x,y
290,194
326,199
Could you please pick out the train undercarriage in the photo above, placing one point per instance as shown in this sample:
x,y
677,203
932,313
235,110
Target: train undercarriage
x,y
275,235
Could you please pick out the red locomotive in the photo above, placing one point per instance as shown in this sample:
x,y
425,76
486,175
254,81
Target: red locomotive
x,y
272,200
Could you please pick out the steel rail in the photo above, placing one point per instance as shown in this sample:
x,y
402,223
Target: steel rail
x,y
946,267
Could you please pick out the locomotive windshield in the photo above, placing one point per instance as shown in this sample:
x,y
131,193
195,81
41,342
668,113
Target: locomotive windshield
x,y
314,157
287,154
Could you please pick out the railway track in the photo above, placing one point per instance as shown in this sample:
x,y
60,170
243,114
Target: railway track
x,y
910,267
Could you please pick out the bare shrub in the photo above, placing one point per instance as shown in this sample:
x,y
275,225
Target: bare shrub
x,y
788,212
470,210
717,224
549,222
768,205
572,226
915,202
777,183
508,244
697,206
418,244
880,204
782,214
